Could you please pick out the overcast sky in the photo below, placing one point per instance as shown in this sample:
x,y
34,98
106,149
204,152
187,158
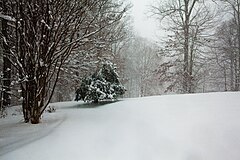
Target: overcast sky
x,y
143,24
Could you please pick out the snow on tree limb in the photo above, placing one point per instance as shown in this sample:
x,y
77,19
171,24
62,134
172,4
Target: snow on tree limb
x,y
8,18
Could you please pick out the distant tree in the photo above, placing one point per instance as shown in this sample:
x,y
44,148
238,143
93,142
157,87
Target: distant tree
x,y
233,8
225,56
102,46
103,84
141,62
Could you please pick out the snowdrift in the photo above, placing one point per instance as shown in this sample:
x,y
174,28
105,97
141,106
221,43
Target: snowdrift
x,y
179,127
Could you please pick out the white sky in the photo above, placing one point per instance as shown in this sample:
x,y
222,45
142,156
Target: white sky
x,y
143,24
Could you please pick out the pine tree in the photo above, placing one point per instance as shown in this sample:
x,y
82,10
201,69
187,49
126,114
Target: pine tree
x,y
103,84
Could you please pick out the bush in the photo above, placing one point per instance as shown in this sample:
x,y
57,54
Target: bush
x,y
103,84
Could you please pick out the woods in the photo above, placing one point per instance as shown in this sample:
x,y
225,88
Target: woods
x,y
45,34
227,46
49,47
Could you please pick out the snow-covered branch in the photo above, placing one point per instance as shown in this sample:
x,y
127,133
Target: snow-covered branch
x,y
8,18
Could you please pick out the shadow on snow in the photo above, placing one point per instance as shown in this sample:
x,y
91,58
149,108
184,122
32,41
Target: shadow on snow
x,y
89,105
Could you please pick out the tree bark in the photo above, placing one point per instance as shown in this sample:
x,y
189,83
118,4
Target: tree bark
x,y
6,61
186,49
238,34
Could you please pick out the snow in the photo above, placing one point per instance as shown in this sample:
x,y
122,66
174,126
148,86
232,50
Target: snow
x,y
7,17
173,127
48,27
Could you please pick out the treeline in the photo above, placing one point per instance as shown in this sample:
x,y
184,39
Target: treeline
x,y
201,52
198,52
48,47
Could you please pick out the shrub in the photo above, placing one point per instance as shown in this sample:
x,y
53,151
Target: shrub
x,y
103,84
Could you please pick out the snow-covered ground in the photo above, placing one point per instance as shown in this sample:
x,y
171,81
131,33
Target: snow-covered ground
x,y
179,127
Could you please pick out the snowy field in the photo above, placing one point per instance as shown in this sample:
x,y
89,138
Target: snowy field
x,y
179,127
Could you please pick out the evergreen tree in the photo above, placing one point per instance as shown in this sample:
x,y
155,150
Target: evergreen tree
x,y
103,84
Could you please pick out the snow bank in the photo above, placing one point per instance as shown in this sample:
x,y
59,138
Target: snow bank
x,y
180,127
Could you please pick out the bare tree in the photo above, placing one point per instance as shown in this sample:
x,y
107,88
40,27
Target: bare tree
x,y
188,22
233,7
6,33
141,61
47,32
225,52
85,59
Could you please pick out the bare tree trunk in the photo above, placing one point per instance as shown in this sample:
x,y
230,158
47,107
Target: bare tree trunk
x,y
6,61
225,78
238,38
186,49
236,74
232,73
25,106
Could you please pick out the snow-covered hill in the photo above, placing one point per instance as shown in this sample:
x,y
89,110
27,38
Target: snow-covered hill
x,y
179,127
